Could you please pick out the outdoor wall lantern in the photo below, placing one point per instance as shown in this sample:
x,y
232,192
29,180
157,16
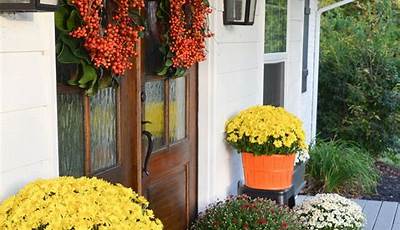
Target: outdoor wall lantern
x,y
28,5
239,12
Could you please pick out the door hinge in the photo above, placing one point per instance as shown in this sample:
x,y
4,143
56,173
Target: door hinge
x,y
307,10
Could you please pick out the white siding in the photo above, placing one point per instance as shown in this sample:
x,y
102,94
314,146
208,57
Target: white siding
x,y
229,81
295,101
232,79
28,124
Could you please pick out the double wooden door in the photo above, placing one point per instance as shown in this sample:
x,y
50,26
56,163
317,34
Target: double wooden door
x,y
142,134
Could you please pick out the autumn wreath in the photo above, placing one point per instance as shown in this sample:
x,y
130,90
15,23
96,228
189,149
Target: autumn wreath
x,y
99,43
184,39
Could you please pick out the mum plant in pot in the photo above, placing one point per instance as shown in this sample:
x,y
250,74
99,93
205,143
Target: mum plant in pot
x,y
268,138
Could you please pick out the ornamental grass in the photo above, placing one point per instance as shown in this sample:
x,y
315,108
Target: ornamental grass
x,y
244,213
266,130
67,203
341,167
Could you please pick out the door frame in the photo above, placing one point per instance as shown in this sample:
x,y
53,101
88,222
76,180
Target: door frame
x,y
131,104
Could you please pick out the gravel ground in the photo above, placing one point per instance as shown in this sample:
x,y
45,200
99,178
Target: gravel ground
x,y
389,185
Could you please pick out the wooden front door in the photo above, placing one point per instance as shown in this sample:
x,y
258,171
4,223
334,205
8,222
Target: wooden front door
x,y
107,135
169,116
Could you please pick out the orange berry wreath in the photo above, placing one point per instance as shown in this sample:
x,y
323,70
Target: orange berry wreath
x,y
186,34
103,44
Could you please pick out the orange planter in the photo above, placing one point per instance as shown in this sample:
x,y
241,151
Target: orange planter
x,y
272,172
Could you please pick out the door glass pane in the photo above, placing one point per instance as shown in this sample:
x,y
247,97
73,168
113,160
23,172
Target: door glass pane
x,y
275,26
177,109
103,129
70,134
154,111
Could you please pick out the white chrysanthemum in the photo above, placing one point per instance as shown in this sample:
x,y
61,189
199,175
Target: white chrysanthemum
x,y
330,212
302,157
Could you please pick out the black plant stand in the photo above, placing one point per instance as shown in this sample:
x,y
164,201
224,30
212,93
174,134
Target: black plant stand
x,y
282,197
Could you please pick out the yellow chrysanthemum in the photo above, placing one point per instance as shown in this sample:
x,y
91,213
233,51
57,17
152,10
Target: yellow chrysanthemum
x,y
266,128
83,203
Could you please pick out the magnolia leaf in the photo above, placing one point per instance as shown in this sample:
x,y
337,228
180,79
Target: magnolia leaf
x,y
58,47
105,81
180,72
75,47
59,18
92,90
163,49
168,62
163,71
88,74
170,54
74,76
73,20
71,42
66,56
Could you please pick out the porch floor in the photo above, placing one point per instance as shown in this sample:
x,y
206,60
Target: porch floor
x,y
381,215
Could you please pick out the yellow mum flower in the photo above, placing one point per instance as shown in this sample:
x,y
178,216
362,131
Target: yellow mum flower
x,y
81,204
266,130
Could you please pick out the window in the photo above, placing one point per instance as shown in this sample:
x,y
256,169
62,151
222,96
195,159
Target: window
x,y
275,26
274,84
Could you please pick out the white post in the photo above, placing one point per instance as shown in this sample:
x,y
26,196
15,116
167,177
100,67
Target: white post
x,y
316,60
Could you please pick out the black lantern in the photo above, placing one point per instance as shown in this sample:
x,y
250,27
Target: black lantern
x,y
28,5
239,12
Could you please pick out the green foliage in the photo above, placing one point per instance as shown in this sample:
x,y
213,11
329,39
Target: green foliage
x,y
391,158
242,212
70,52
359,83
341,167
275,26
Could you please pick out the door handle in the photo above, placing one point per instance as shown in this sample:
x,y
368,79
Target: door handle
x,y
150,144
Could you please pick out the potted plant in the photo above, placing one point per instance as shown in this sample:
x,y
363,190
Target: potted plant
x,y
268,138
83,203
242,212
330,212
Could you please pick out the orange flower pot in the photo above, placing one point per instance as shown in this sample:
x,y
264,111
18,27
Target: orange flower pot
x,y
272,172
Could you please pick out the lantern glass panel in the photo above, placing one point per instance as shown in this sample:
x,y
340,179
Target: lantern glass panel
x,y
14,1
49,2
236,10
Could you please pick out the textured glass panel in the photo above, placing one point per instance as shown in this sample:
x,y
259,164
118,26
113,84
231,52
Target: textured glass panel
x,y
177,109
275,26
103,129
154,111
70,135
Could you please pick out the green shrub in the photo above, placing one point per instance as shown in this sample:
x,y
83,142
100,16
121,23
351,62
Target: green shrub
x,y
341,167
391,158
359,78
243,213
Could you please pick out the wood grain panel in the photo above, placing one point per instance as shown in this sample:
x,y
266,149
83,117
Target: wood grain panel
x,y
168,198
